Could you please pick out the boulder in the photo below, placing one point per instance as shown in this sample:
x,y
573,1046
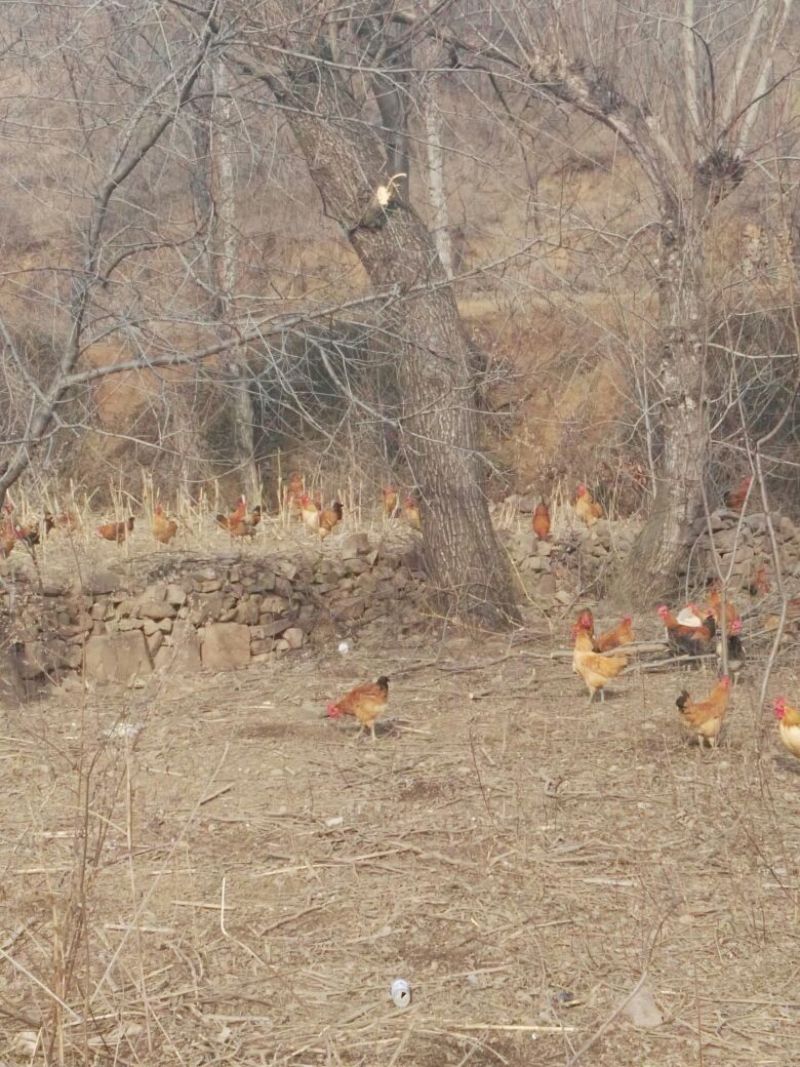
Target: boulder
x,y
120,658
226,646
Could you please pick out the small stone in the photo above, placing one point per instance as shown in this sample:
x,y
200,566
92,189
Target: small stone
x,y
294,637
176,595
156,609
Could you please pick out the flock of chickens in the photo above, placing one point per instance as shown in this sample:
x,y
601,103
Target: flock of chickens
x,y
239,523
695,632
597,659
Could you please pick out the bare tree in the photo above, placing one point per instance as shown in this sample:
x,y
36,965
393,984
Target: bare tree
x,y
685,106
437,419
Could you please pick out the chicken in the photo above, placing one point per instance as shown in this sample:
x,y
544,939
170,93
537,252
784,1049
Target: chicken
x,y
366,702
788,726
411,512
390,501
309,512
236,517
164,529
295,488
116,531
715,606
734,499
689,640
596,670
254,518
8,537
735,648
30,534
67,520
329,518
759,584
586,507
622,634
703,719
541,521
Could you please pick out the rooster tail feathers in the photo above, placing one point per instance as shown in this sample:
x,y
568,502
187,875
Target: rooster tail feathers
x,y
682,700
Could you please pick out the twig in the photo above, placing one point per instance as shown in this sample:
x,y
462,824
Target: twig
x,y
614,1014
220,792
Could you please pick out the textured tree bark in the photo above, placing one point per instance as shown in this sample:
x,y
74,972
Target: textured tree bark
x,y
653,567
438,419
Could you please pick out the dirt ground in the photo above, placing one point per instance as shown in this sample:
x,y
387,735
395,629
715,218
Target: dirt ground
x,y
206,870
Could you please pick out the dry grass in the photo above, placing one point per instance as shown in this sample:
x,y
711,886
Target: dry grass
x,y
206,871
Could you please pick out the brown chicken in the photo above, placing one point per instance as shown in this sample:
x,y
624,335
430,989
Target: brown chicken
x,y
703,719
116,531
390,501
759,584
788,726
689,640
734,499
164,529
586,507
715,606
294,490
67,520
622,634
236,517
596,670
366,702
329,518
541,521
411,512
254,518
8,536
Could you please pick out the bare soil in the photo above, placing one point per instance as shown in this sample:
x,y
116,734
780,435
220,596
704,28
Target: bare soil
x,y
206,870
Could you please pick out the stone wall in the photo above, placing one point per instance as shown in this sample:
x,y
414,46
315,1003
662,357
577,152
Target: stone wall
x,y
215,613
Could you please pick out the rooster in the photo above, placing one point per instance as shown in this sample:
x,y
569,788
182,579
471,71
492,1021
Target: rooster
x,y
734,499
703,719
788,726
330,518
390,501
227,522
596,670
164,529
116,531
541,521
689,640
586,507
411,513
366,702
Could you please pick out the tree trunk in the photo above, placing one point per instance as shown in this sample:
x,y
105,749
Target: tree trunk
x,y
225,249
660,551
438,420
437,191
